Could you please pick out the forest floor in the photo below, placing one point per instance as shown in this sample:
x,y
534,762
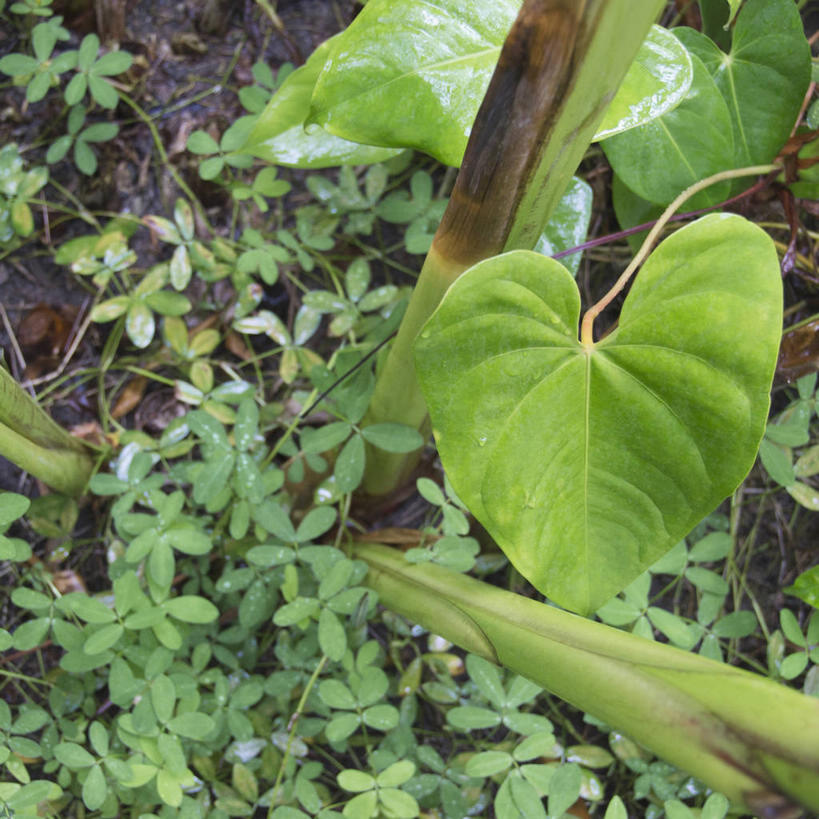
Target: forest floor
x,y
191,59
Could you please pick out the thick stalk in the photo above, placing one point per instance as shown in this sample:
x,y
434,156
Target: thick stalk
x,y
557,72
742,734
34,442
397,396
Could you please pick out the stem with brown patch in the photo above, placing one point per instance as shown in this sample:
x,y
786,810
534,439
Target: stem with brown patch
x,y
558,70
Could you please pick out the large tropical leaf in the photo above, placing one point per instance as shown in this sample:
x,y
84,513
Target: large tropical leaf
x,y
586,464
280,135
763,78
432,61
660,159
655,84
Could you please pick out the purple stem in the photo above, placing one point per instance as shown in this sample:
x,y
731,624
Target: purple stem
x,y
614,237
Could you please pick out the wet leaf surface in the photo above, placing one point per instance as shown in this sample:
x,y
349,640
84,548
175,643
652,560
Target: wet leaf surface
x,y
636,440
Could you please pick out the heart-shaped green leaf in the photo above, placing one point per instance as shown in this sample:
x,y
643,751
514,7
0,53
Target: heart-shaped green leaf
x,y
656,82
436,60
586,464
660,159
763,78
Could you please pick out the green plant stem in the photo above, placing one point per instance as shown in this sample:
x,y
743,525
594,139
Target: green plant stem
x,y
587,325
397,396
742,734
291,428
163,155
557,72
799,324
81,211
168,382
271,13
33,441
14,675
294,718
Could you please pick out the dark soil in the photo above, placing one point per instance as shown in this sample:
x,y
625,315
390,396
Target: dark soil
x,y
191,57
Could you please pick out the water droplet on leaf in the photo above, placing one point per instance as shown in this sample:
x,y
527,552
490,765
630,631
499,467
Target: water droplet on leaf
x,y
511,366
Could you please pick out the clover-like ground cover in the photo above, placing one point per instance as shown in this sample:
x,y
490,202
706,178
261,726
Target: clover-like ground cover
x,y
190,637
